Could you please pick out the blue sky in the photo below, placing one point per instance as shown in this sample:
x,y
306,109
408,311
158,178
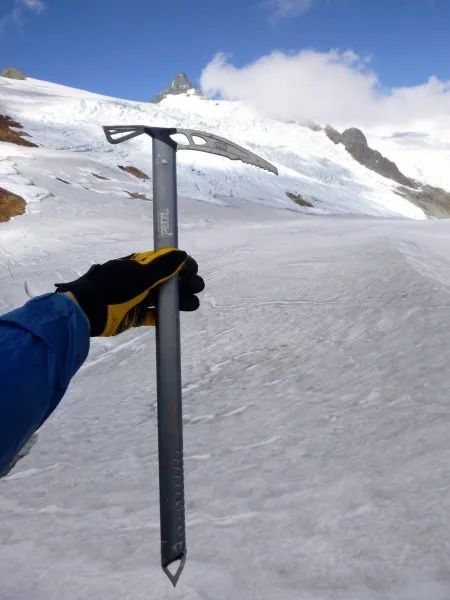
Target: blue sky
x,y
131,48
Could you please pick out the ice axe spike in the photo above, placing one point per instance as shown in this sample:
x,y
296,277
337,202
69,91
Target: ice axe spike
x,y
168,354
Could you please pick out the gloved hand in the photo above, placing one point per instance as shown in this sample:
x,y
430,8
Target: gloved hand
x,y
121,293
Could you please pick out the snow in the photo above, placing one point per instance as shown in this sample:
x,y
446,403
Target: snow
x,y
315,373
422,152
61,118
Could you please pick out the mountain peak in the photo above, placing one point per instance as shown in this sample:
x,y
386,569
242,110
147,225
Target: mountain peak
x,y
13,73
181,84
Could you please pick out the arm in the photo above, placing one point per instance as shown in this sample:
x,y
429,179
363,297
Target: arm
x,y
45,342
42,345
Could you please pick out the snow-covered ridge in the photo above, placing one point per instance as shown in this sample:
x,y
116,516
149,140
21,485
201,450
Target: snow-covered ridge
x,y
69,121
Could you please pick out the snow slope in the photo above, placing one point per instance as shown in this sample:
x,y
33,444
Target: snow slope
x,y
315,381
69,120
423,153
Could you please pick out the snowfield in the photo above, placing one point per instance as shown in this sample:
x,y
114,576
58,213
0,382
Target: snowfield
x,y
423,152
68,120
316,378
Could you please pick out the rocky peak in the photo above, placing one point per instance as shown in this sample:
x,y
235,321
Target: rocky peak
x,y
13,73
181,84
355,142
354,137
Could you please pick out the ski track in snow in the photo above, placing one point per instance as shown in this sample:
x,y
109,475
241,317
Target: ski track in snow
x,y
316,400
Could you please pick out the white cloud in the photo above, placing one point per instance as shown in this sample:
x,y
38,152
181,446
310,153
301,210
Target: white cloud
x,y
281,9
34,5
328,87
19,10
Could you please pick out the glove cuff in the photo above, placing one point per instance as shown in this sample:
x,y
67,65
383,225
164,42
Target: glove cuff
x,y
91,299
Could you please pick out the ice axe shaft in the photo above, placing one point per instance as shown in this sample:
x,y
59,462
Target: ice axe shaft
x,y
168,354
168,366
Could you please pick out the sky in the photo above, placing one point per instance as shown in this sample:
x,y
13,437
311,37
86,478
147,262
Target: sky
x,y
131,49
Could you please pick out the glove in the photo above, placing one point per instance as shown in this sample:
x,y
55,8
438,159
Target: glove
x,y
121,293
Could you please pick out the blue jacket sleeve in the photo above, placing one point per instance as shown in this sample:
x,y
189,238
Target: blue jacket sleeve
x,y
42,345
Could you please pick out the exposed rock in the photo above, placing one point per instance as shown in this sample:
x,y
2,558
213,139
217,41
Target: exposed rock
x,y
13,73
297,198
102,177
138,196
355,143
180,85
313,126
11,205
333,135
435,202
62,180
134,171
354,138
8,133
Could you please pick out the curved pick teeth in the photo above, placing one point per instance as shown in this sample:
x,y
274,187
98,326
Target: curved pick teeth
x,y
213,144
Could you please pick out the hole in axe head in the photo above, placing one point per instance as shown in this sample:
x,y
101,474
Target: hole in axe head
x,y
198,140
180,138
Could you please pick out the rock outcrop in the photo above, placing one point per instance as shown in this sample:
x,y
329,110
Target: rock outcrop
x,y
9,134
180,85
13,73
138,196
435,202
11,205
298,199
355,143
134,171
333,134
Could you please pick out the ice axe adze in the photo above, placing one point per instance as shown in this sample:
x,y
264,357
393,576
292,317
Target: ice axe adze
x,y
168,359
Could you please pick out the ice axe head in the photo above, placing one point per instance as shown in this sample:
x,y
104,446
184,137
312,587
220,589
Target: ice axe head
x,y
196,140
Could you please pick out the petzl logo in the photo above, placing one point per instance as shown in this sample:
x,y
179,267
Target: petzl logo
x,y
221,146
165,225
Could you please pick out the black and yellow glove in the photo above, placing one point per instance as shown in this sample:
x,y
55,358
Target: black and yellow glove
x,y
121,293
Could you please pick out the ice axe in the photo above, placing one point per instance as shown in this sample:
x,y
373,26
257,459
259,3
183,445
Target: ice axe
x,y
168,357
